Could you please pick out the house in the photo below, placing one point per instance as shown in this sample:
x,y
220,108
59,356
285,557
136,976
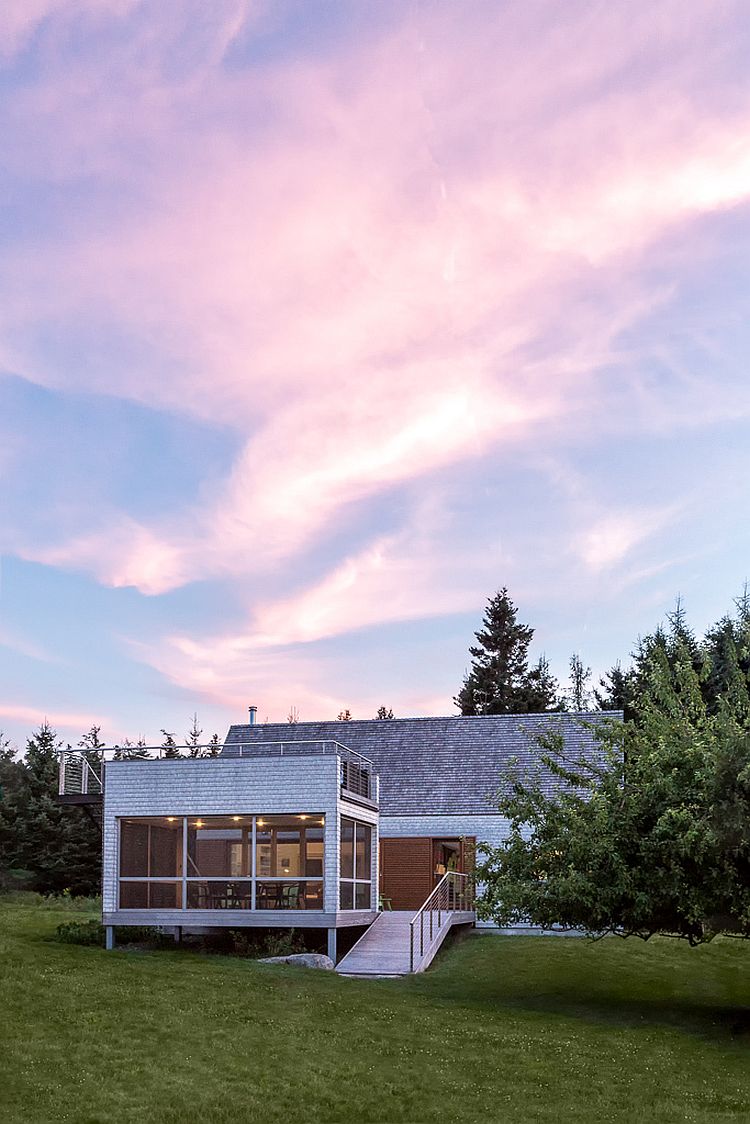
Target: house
x,y
367,825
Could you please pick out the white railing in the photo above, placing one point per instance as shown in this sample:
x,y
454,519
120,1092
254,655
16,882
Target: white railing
x,y
79,775
453,894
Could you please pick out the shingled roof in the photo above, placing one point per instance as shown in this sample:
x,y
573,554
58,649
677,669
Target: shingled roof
x,y
437,766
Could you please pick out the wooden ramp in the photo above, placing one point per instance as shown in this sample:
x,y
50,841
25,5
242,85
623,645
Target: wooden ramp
x,y
386,948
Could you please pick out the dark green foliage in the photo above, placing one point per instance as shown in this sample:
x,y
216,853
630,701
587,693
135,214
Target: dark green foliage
x,y
500,681
59,847
193,739
385,712
169,745
720,662
214,746
131,751
656,839
80,932
578,694
616,692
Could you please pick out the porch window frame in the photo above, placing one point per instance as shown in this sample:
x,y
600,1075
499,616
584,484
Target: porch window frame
x,y
184,880
355,880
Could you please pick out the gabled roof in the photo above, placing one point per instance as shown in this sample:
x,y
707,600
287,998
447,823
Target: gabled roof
x,y
437,766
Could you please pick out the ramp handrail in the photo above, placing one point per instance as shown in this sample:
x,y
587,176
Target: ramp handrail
x,y
454,893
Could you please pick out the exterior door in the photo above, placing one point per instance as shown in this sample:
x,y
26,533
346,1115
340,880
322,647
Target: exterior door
x,y
410,868
405,871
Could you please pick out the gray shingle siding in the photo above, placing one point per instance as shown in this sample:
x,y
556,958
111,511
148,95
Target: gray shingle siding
x,y
438,766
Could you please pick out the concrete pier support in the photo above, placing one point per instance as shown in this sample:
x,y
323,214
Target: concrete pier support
x,y
109,937
177,934
332,944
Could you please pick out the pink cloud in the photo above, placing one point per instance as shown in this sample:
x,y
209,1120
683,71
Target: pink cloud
x,y
62,721
360,278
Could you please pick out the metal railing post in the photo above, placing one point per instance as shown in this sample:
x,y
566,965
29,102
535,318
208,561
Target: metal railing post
x,y
411,946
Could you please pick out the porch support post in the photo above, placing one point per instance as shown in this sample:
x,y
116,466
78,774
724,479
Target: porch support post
x,y
109,937
332,944
177,934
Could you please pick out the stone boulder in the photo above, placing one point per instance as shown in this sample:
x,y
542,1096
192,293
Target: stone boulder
x,y
301,960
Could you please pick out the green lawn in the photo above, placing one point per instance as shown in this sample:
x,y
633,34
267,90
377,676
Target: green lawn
x,y
502,1029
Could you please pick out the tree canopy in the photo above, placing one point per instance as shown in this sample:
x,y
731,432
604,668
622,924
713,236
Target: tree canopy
x,y
43,845
654,837
500,680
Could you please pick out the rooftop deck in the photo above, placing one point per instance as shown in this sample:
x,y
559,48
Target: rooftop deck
x,y
82,773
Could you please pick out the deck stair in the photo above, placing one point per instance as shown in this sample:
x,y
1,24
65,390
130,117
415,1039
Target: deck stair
x,y
400,942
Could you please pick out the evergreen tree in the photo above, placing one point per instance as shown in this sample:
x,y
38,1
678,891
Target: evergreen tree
x,y
499,681
616,690
385,712
93,749
169,745
193,739
344,715
52,848
214,746
130,751
578,693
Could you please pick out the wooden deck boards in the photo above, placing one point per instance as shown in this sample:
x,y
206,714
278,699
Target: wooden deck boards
x,y
384,949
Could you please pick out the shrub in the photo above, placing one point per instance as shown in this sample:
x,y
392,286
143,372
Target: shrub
x,y
81,932
272,942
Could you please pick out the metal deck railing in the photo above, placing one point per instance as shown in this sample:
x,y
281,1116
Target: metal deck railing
x,y
81,771
80,774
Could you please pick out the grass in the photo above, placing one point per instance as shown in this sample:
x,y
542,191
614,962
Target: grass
x,y
502,1029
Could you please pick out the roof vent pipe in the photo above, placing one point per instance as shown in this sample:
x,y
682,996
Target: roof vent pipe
x,y
253,712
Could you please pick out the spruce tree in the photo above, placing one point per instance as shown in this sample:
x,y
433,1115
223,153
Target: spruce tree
x,y
169,745
130,751
578,692
615,691
193,739
59,848
214,746
500,681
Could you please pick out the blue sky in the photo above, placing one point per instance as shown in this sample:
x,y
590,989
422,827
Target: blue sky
x,y
321,322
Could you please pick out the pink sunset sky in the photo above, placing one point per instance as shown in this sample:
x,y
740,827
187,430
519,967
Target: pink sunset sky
x,y
320,321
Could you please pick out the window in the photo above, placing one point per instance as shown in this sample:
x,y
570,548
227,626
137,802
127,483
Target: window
x,y
230,862
355,886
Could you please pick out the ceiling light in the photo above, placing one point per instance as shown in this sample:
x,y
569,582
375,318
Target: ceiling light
x,y
235,818
171,819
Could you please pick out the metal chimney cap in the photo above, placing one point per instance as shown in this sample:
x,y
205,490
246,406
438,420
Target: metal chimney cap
x,y
253,711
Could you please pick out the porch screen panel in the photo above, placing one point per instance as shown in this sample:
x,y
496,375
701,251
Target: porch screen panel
x,y
133,849
218,873
355,887
165,847
218,847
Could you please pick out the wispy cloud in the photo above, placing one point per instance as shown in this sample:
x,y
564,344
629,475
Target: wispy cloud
x,y
436,245
62,721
